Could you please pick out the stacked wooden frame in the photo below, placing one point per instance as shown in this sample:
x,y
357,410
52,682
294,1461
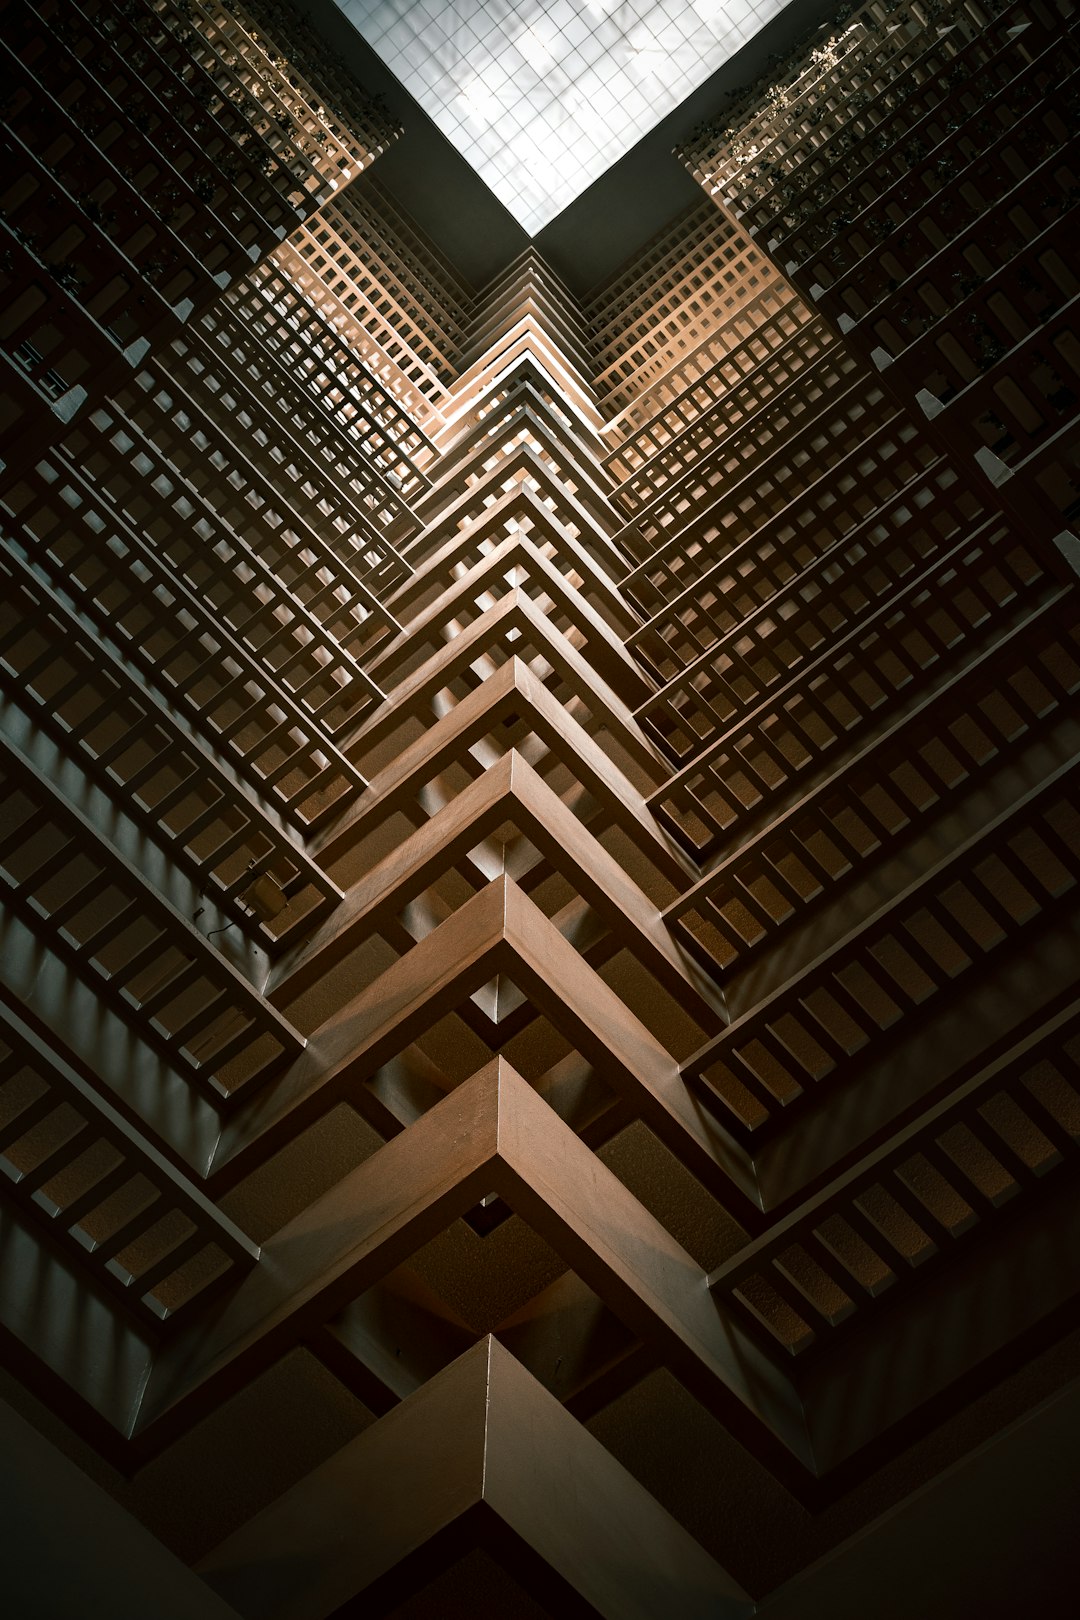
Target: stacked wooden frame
x,y
610,763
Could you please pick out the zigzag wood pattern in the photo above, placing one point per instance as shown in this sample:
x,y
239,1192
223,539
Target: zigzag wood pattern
x,y
589,779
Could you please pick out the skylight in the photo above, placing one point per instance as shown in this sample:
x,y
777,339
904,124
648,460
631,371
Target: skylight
x,y
541,96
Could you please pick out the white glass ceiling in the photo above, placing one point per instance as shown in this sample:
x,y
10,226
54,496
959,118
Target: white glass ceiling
x,y
541,96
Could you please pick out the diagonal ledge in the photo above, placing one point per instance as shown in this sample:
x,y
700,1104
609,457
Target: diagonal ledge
x,y
515,616
372,1221
511,690
510,790
493,1134
481,1456
499,930
603,652
490,525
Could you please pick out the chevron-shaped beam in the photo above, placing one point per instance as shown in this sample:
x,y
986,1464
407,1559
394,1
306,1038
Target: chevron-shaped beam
x,y
511,696
524,406
399,1333
499,931
492,1134
516,556
480,1456
509,791
513,624
524,508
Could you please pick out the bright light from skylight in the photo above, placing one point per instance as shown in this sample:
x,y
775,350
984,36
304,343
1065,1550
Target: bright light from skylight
x,y
541,96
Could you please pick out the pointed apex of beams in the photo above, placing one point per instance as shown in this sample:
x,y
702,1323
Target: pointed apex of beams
x,y
493,1134
499,930
480,1456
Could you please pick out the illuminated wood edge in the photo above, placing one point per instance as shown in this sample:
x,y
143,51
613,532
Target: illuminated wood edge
x,y
483,1456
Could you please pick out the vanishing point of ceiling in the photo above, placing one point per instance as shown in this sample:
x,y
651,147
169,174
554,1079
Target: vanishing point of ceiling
x,y
542,96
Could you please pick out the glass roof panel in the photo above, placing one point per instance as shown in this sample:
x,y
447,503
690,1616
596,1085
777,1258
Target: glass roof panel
x,y
541,96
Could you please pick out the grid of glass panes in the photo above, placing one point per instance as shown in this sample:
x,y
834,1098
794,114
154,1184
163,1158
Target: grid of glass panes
x,y
541,96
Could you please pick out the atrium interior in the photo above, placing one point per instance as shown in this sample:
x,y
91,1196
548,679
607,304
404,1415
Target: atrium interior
x,y
539,1041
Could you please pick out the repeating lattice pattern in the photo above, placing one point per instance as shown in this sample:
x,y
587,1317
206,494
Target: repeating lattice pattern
x,y
561,818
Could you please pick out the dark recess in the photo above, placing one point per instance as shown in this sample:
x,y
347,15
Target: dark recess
x,y
637,197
